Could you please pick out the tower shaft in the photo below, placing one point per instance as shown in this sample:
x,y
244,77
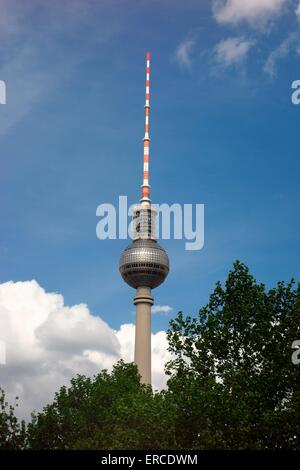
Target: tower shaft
x,y
142,349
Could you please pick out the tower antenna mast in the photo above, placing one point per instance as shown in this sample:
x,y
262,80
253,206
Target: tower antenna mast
x,y
145,200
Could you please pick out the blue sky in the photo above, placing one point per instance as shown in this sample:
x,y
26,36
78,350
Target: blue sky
x,y
223,132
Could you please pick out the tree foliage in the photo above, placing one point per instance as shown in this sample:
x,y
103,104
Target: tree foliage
x,y
233,380
109,411
12,433
232,384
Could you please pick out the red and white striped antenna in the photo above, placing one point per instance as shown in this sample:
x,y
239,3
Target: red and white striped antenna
x,y
145,200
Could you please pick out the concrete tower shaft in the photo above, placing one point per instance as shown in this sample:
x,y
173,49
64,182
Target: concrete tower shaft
x,y
142,347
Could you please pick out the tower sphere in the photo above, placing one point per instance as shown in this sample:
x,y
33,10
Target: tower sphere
x,y
144,263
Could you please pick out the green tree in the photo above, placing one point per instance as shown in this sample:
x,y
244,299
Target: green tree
x,y
108,411
233,384
12,432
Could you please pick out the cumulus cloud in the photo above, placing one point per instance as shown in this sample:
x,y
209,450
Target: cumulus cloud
x,y
48,343
281,52
255,12
161,309
232,51
183,53
160,353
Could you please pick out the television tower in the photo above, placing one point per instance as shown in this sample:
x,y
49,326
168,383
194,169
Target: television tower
x,y
144,264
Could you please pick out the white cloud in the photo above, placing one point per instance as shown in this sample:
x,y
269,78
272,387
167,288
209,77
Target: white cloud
x,y
161,309
183,53
34,69
160,354
289,44
255,12
298,12
11,18
232,50
47,343
29,79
